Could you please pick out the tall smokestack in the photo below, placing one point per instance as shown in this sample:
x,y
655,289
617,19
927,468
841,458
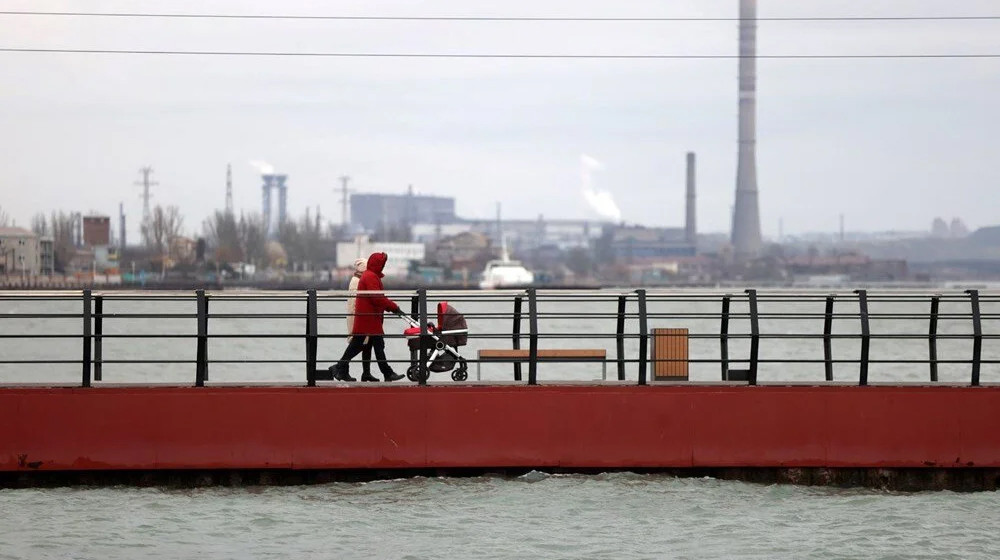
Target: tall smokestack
x,y
282,199
690,224
265,203
746,217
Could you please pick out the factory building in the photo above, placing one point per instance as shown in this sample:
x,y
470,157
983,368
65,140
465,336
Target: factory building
x,y
20,251
381,212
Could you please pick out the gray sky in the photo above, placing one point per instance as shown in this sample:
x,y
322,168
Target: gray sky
x,y
889,143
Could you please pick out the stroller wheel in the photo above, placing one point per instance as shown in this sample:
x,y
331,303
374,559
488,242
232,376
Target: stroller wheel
x,y
459,375
413,373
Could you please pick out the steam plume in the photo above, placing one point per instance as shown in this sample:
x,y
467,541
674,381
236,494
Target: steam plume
x,y
262,166
601,201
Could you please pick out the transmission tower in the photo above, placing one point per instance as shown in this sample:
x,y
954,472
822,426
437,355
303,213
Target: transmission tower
x,y
229,188
146,195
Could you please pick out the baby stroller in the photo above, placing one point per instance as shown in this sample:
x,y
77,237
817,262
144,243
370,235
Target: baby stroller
x,y
442,340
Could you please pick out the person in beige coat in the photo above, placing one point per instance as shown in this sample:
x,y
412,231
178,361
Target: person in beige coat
x,y
366,354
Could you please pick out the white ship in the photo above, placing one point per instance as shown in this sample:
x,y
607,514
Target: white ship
x,y
505,273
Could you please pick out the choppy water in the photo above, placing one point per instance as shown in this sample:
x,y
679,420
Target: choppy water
x,y
535,516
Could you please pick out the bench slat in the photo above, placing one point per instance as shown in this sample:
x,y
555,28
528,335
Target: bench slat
x,y
580,353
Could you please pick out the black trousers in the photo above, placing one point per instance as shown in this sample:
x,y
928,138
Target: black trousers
x,y
358,345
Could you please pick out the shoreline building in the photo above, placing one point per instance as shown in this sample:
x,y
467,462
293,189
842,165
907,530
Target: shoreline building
x,y
20,252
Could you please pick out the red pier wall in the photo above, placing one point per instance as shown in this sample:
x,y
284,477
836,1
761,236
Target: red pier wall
x,y
360,427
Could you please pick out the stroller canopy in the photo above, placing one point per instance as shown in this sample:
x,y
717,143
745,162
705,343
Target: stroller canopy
x,y
449,319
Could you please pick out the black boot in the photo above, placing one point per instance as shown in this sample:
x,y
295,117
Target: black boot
x,y
341,374
392,376
367,376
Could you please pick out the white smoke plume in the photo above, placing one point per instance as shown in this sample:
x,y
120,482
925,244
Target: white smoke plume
x,y
601,201
262,166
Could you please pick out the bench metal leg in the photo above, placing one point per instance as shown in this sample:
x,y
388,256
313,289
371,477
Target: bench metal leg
x,y
479,367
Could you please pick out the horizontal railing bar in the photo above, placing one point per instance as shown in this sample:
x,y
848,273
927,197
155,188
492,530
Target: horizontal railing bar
x,y
542,336
607,316
496,360
896,294
102,361
42,316
77,361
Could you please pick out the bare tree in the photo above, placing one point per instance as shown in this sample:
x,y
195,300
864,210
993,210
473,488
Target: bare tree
x,y
253,238
164,225
223,234
62,238
310,237
4,218
301,240
291,240
40,225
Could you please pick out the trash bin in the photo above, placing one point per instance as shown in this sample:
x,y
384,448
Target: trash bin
x,y
670,354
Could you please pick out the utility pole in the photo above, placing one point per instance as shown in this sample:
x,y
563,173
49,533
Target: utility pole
x,y
343,201
146,195
229,189
121,229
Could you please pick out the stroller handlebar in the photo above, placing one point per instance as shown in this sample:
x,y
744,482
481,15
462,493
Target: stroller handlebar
x,y
409,320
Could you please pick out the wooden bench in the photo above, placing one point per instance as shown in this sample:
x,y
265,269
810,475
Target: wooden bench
x,y
547,355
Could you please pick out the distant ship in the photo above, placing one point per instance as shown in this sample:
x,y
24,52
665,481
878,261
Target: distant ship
x,y
505,273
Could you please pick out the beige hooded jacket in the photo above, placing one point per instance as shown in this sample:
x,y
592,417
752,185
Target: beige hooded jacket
x,y
359,267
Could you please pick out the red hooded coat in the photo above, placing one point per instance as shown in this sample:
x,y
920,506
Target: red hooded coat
x,y
369,308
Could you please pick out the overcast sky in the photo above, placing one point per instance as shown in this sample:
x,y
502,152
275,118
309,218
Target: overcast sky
x,y
888,143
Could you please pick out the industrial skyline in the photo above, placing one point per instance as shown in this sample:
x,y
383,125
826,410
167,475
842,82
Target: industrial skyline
x,y
837,136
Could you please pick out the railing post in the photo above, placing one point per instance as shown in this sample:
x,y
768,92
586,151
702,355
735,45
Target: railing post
x,y
98,331
516,336
828,338
414,312
86,337
643,336
532,337
865,335
201,359
312,337
977,336
422,373
724,338
754,336
932,337
620,338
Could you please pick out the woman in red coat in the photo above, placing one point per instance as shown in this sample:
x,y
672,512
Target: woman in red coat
x,y
367,328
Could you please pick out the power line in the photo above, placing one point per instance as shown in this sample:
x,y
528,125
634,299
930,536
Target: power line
x,y
499,55
493,18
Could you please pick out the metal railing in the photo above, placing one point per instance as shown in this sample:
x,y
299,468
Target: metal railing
x,y
614,320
